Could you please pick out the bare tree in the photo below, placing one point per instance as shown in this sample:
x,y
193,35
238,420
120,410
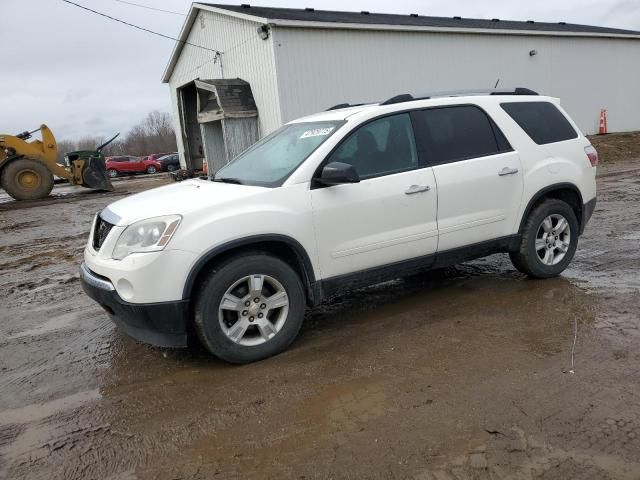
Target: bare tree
x,y
90,143
154,134
64,146
159,133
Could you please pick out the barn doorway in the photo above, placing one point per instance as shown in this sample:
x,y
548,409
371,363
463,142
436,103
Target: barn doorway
x,y
219,120
190,128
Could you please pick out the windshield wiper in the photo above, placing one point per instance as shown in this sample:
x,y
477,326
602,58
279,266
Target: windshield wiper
x,y
228,180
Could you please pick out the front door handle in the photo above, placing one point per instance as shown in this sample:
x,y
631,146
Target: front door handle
x,y
507,171
417,189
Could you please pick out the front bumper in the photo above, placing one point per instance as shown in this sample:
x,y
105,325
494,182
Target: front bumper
x,y
161,324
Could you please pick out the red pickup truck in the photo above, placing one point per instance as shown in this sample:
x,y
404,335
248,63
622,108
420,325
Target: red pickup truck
x,y
130,164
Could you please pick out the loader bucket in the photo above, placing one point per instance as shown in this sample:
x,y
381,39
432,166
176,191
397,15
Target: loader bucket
x,y
94,174
89,171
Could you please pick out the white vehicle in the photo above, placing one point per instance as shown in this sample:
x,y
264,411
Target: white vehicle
x,y
348,197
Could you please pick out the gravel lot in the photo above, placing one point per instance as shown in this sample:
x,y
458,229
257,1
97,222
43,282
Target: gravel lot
x,y
462,373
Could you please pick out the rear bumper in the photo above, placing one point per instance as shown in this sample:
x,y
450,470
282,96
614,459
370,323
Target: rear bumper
x,y
161,324
587,211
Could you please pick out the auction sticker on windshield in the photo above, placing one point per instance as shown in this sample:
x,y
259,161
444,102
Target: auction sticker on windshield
x,y
317,132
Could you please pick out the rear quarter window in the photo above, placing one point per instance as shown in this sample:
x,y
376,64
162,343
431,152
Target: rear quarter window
x,y
542,121
460,132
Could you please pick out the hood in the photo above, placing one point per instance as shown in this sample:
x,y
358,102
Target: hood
x,y
180,198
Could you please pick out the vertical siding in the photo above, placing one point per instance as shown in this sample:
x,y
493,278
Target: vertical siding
x,y
245,56
239,134
318,68
590,74
213,140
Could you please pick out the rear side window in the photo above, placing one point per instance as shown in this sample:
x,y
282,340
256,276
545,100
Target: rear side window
x,y
542,121
450,134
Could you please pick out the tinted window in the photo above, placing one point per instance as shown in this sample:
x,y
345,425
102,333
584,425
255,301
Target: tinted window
x,y
381,147
542,121
456,133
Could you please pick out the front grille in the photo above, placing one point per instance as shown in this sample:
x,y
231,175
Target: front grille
x,y
100,234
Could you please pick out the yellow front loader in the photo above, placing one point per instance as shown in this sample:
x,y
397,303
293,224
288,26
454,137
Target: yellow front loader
x,y
27,168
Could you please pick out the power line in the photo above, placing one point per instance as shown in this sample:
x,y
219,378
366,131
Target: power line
x,y
139,27
150,8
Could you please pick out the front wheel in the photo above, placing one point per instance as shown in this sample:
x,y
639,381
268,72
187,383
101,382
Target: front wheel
x,y
151,169
112,173
249,308
549,240
27,179
171,168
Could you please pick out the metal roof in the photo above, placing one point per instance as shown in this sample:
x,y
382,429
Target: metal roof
x,y
412,20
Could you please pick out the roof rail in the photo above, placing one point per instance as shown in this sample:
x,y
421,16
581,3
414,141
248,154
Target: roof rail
x,y
405,97
344,105
338,106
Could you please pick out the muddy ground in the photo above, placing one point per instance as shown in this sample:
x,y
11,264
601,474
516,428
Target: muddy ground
x,y
461,373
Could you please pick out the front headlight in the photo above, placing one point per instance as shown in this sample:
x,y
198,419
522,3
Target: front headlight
x,y
150,235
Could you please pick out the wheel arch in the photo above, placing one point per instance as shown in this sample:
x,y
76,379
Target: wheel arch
x,y
567,192
283,247
4,163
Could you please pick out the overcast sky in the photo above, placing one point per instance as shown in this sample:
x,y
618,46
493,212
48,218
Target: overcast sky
x,y
86,75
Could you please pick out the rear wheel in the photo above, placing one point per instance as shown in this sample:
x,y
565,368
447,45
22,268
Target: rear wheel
x,y
151,169
549,240
27,179
113,173
171,168
249,308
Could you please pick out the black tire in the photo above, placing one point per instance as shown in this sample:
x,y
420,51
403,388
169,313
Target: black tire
x,y
527,259
27,179
151,169
214,287
112,173
171,168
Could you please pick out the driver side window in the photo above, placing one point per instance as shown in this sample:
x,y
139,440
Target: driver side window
x,y
381,147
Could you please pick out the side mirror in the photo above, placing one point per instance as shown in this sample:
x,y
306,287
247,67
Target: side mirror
x,y
336,173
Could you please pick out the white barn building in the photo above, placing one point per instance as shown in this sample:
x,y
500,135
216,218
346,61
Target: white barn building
x,y
262,67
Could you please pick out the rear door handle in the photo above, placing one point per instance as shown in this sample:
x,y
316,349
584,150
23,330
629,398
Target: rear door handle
x,y
417,189
507,171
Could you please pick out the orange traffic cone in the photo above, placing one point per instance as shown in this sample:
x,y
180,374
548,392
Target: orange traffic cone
x,y
603,122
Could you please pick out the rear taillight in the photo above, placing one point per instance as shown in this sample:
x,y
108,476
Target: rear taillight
x,y
592,154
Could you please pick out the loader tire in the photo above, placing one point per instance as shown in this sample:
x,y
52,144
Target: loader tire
x,y
27,179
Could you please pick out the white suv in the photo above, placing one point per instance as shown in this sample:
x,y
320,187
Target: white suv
x,y
341,199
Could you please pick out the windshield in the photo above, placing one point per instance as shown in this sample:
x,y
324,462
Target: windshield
x,y
270,161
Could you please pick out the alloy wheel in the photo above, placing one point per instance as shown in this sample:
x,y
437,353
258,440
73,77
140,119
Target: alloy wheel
x,y
553,239
253,310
